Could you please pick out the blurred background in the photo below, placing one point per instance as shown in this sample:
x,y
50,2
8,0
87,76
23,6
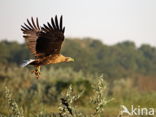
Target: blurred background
x,y
115,39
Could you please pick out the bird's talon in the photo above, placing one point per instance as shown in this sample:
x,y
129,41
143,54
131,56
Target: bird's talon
x,y
36,72
33,71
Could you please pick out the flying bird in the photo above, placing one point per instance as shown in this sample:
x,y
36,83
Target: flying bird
x,y
44,42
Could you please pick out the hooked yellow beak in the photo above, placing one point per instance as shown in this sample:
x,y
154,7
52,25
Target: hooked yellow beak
x,y
71,60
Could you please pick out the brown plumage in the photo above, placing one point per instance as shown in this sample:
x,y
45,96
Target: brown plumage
x,y
45,42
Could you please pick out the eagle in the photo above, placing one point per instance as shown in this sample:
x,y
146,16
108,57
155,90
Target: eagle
x,y
44,42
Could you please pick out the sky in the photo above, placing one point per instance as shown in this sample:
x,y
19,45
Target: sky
x,y
111,21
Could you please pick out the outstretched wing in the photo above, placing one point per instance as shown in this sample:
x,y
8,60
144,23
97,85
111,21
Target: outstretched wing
x,y
45,41
51,38
31,32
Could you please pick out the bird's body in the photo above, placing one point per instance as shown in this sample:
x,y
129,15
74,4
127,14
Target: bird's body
x,y
45,43
51,59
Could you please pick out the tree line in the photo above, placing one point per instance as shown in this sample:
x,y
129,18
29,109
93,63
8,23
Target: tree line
x,y
92,56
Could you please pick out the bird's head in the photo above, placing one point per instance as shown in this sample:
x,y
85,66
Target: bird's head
x,y
69,59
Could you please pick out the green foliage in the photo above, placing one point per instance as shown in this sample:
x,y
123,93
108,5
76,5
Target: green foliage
x,y
92,56
100,97
13,52
17,112
66,107
129,72
41,97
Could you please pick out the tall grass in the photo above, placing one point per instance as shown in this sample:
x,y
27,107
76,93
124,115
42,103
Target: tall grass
x,y
43,96
66,107
16,110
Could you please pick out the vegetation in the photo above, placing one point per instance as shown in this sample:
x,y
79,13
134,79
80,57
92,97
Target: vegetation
x,y
92,56
75,89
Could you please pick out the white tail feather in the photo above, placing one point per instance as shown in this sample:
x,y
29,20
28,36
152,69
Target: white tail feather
x,y
27,62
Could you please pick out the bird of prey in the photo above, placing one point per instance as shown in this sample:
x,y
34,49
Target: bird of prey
x,y
44,42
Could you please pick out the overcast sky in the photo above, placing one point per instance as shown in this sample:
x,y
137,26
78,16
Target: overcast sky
x,y
111,21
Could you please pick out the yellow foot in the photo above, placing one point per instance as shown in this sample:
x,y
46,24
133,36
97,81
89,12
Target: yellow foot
x,y
36,72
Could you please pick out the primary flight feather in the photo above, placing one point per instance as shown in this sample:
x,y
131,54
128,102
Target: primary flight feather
x,y
44,42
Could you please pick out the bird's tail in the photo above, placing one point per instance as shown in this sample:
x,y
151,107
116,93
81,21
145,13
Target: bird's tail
x,y
27,62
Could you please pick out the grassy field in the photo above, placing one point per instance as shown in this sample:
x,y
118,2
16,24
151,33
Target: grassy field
x,y
64,92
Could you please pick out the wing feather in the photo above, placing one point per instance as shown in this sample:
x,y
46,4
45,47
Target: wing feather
x,y
27,27
34,26
29,24
37,23
53,23
46,27
61,23
46,40
49,26
63,30
56,22
31,34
